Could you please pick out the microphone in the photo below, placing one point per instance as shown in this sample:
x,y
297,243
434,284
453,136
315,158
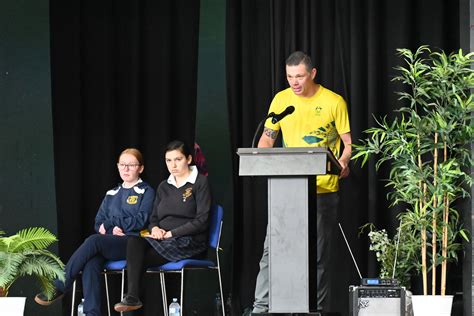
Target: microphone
x,y
272,115
278,117
275,118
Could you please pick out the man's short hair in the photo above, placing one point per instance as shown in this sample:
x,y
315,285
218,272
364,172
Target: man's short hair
x,y
299,57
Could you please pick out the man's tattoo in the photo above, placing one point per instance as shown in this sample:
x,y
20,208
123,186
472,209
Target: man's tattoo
x,y
270,133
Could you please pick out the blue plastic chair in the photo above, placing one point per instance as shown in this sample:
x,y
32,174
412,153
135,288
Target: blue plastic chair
x,y
110,267
215,229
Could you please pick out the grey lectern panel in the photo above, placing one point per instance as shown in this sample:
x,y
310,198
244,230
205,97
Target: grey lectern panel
x,y
283,161
288,170
288,245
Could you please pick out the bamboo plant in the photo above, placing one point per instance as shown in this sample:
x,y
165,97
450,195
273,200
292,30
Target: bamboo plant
x,y
426,145
25,253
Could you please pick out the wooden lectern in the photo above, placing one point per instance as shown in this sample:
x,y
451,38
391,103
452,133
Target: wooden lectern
x,y
288,170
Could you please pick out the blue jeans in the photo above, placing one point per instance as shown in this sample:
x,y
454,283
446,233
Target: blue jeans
x,y
90,258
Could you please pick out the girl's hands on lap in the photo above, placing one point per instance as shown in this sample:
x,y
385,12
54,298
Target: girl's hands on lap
x,y
102,230
117,231
157,233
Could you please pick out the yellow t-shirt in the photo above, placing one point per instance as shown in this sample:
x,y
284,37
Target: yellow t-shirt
x,y
316,122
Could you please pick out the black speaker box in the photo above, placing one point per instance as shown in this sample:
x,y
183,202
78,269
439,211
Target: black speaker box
x,y
376,301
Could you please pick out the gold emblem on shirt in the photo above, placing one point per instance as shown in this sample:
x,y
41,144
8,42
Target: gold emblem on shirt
x,y
187,193
317,110
132,199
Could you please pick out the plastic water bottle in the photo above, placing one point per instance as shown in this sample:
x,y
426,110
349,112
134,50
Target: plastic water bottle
x,y
80,309
175,309
218,305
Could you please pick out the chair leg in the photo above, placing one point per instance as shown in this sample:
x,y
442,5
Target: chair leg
x,y
182,292
163,294
123,286
73,295
220,287
107,292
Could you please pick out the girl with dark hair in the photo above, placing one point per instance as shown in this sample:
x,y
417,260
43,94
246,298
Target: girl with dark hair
x,y
178,225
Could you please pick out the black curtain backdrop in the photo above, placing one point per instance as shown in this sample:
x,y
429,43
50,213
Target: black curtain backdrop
x,y
124,74
353,45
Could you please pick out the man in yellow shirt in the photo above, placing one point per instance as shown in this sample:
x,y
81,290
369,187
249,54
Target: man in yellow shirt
x,y
320,119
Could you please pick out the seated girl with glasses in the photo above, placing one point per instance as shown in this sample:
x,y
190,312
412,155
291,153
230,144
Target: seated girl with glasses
x,y
124,212
178,225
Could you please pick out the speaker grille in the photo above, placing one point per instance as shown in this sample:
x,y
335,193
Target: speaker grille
x,y
376,301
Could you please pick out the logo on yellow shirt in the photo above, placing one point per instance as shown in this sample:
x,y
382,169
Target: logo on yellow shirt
x,y
132,199
317,110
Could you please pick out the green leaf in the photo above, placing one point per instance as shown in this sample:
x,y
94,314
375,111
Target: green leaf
x,y
25,254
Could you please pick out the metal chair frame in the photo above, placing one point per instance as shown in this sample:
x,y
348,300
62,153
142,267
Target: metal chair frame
x,y
105,272
200,264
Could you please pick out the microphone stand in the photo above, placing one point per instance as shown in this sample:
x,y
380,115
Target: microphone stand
x,y
259,126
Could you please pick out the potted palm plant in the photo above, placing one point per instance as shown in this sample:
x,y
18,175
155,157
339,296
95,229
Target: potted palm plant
x,y
25,254
426,146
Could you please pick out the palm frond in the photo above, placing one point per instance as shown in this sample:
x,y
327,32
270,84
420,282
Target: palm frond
x,y
46,285
31,238
41,265
9,265
25,254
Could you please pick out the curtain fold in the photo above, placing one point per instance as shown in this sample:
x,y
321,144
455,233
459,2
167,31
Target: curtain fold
x,y
124,74
353,46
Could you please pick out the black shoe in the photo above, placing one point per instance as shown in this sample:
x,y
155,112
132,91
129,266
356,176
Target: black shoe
x,y
129,303
42,298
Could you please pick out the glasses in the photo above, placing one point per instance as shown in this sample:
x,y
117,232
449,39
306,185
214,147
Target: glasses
x,y
131,166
